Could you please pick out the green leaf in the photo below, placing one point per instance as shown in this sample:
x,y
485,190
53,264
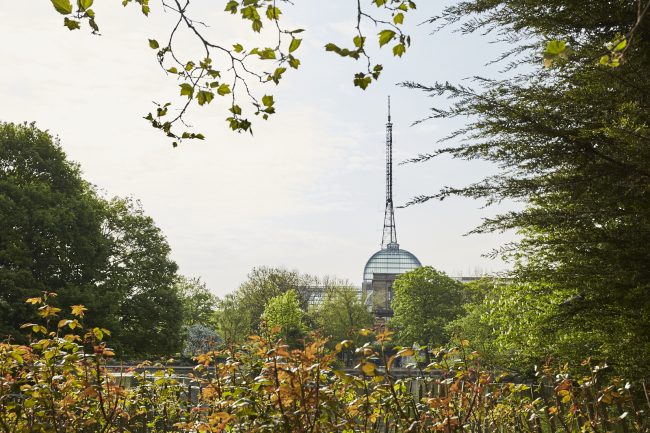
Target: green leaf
x,y
362,81
359,41
293,62
295,43
84,4
204,97
173,70
267,54
398,18
187,90
62,6
223,89
189,66
368,368
385,36
71,24
238,48
232,7
273,13
332,47
154,44
398,50
555,47
620,46
93,24
257,25
267,100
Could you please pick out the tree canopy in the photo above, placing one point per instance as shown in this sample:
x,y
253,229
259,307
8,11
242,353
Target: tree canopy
x,y
57,234
424,302
571,143
342,314
283,315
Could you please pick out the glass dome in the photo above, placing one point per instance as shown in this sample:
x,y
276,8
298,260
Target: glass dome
x,y
391,260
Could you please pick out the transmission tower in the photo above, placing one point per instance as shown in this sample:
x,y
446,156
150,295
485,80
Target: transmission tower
x,y
389,238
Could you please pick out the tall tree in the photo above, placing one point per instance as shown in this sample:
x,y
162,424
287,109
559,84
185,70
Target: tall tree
x,y
424,302
57,234
572,142
50,227
150,311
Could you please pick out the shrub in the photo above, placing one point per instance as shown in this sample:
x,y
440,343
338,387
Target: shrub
x,y
60,383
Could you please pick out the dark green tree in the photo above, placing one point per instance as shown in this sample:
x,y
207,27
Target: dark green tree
x,y
50,228
151,310
425,301
57,234
572,142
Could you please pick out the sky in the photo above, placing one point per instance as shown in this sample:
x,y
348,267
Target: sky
x,y
307,190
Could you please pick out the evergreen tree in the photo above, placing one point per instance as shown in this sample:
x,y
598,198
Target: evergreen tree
x,y
572,141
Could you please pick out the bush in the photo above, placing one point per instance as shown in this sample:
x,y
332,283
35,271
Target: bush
x,y
60,383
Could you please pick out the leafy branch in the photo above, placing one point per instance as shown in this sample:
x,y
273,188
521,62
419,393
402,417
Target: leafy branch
x,y
233,71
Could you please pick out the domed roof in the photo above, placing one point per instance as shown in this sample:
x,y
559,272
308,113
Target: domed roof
x,y
391,260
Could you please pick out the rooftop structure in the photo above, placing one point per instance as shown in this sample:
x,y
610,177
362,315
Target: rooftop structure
x,y
383,266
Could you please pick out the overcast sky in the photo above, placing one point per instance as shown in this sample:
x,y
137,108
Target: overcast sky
x,y
305,192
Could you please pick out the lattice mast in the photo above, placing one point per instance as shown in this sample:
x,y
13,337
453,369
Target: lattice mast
x,y
389,238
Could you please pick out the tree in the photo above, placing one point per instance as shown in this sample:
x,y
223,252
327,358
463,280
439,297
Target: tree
x,y
50,227
283,313
222,67
233,321
59,235
151,313
571,141
342,314
200,339
424,302
265,283
198,302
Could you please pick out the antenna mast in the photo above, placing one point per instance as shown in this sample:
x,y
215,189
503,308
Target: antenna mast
x,y
389,238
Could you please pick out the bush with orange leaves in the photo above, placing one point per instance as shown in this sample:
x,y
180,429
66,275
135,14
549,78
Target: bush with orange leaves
x,y
60,383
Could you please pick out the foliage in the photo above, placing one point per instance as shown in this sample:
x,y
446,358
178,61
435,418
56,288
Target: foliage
x,y
198,302
58,234
342,314
424,302
283,313
59,382
150,314
234,71
239,313
571,143
200,339
50,226
233,322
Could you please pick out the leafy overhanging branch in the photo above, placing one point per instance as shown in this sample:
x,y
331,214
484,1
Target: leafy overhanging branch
x,y
234,71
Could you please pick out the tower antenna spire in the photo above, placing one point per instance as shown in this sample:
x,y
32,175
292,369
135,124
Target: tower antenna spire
x,y
389,236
